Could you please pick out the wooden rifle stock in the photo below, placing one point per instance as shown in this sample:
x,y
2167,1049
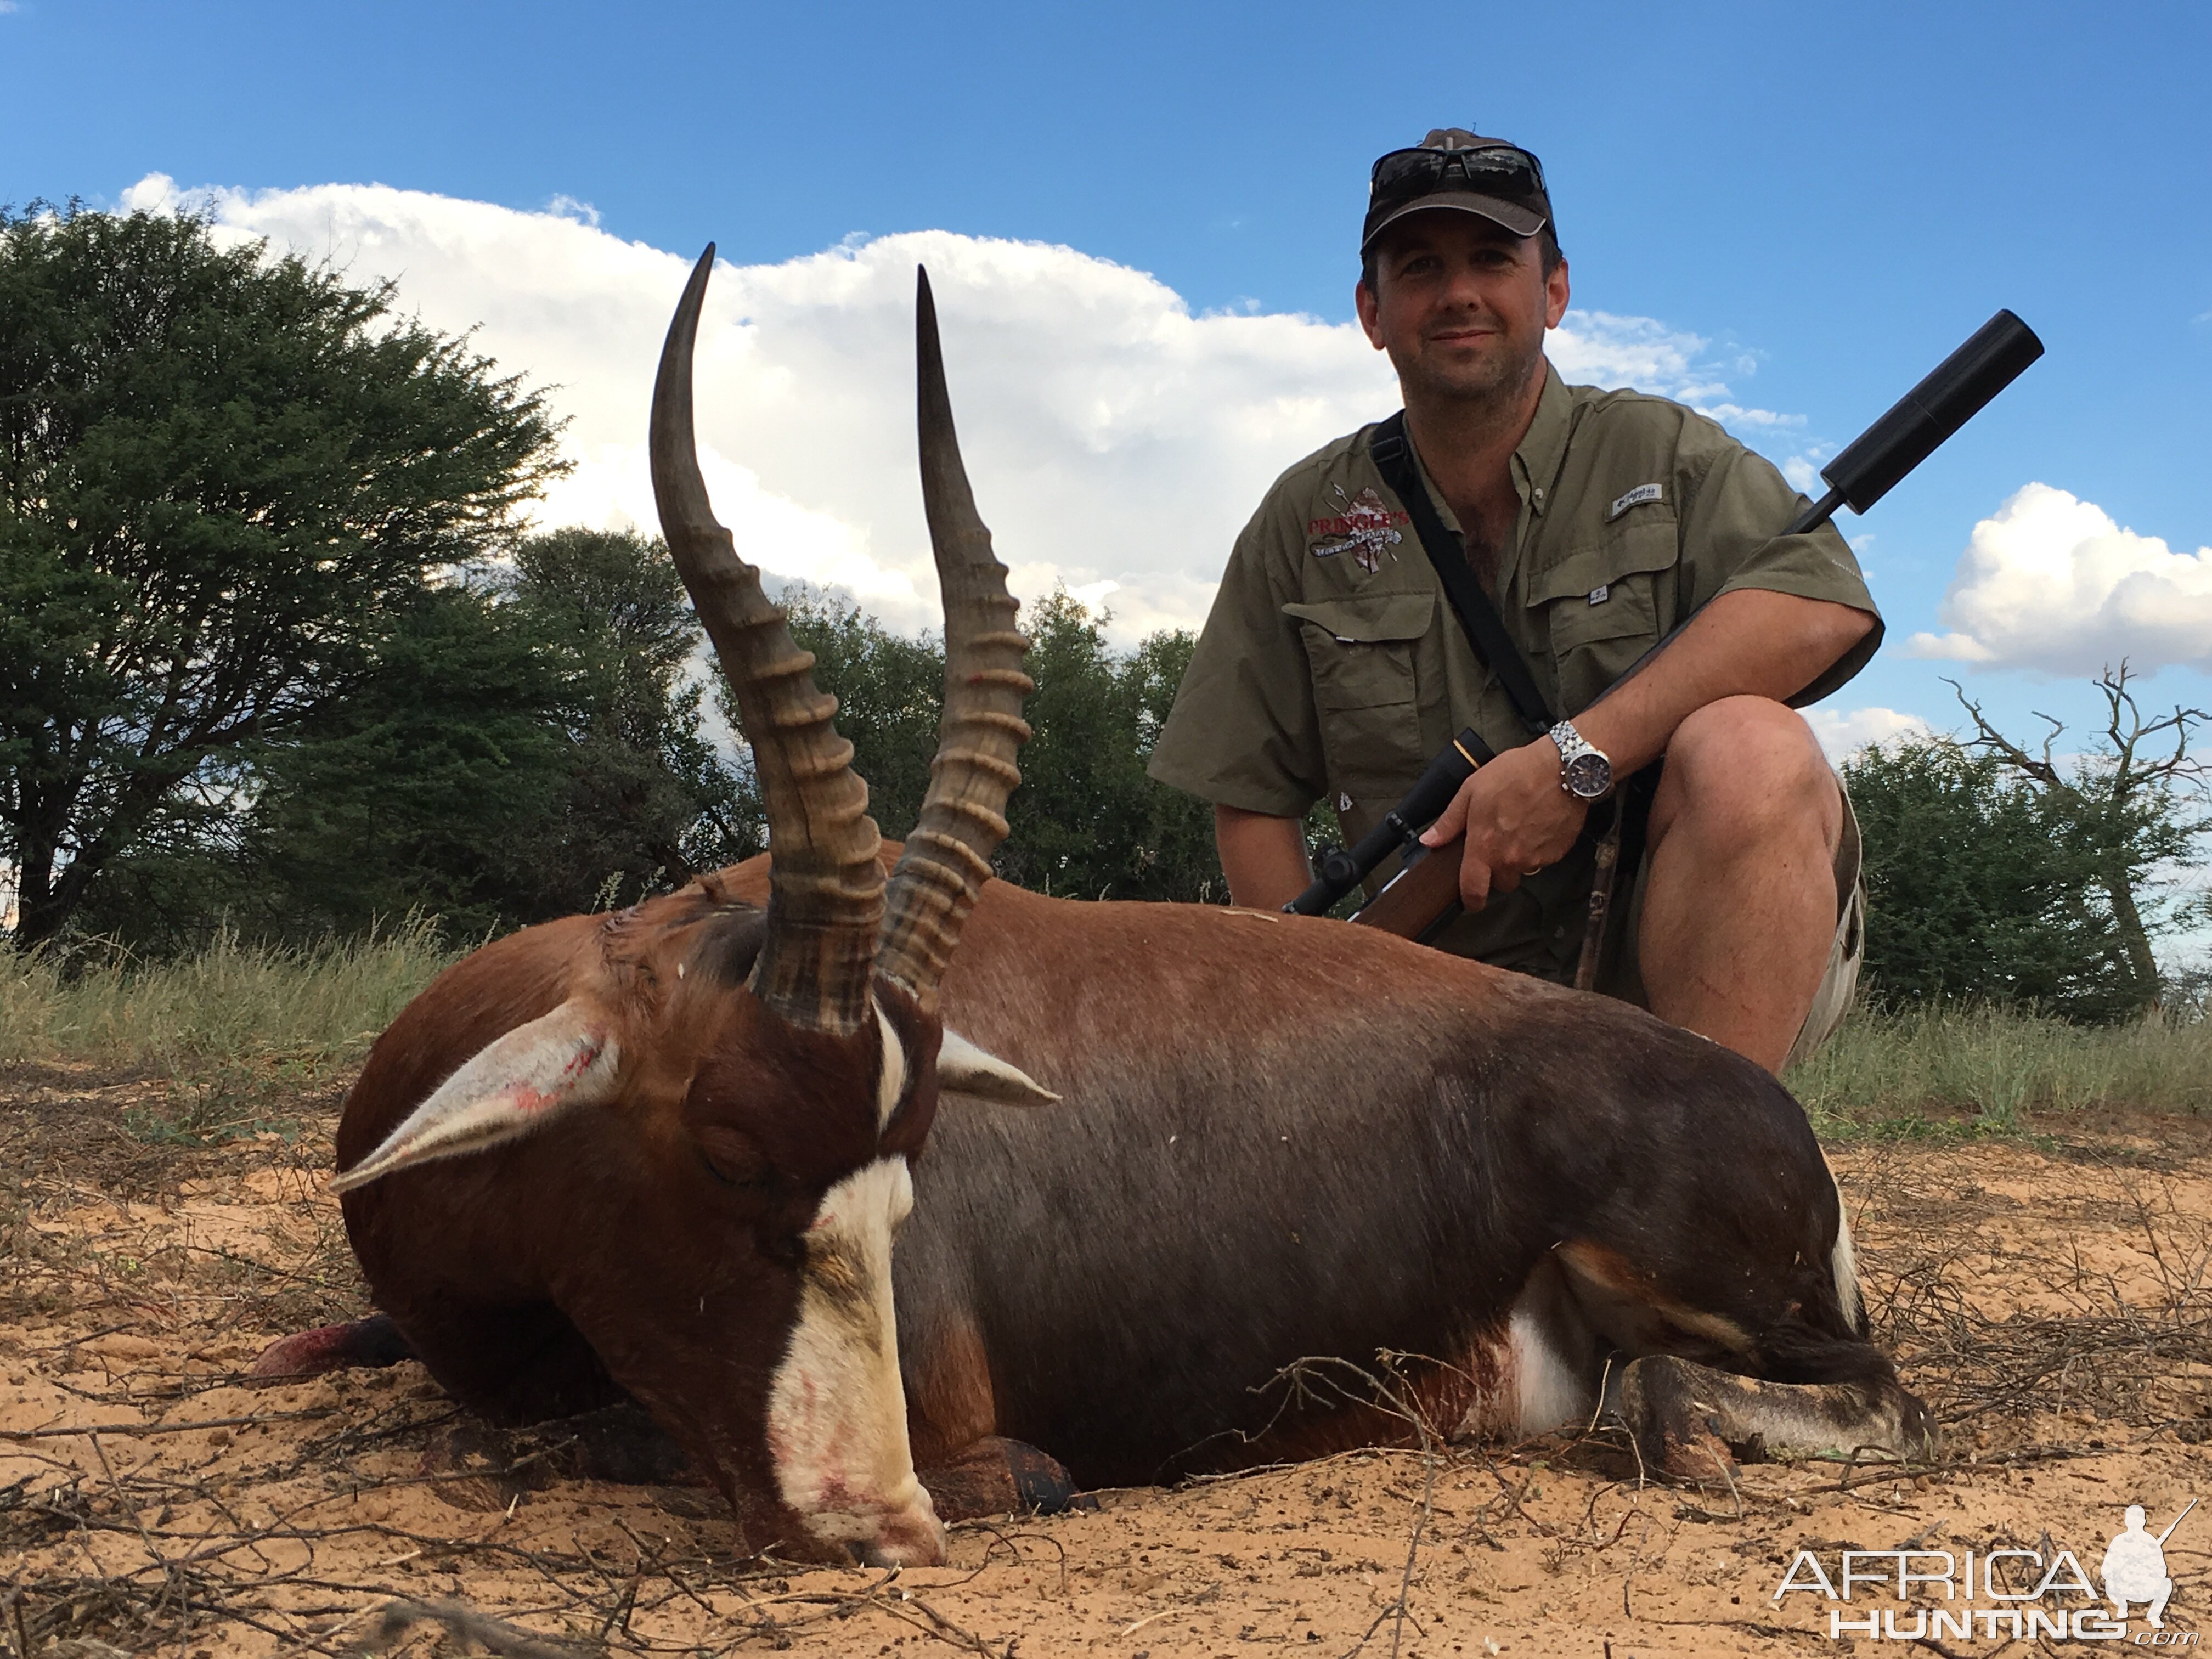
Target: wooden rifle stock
x,y
1421,898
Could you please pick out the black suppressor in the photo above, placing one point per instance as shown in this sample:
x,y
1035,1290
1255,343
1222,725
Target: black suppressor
x,y
1952,395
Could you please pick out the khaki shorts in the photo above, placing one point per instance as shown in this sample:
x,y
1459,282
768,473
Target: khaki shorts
x,y
1838,985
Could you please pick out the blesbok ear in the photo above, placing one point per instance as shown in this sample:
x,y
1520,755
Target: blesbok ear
x,y
555,1064
961,1065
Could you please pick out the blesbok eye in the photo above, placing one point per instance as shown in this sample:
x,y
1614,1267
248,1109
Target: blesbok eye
x,y
732,1157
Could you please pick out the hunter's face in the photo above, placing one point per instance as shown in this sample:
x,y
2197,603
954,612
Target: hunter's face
x,y
1462,305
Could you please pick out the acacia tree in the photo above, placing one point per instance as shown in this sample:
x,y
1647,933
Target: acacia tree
x,y
219,473
2126,806
1977,886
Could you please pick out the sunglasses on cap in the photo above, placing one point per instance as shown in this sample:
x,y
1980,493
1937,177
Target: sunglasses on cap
x,y
1492,170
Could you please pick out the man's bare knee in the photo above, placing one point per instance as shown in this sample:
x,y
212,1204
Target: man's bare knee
x,y
1745,770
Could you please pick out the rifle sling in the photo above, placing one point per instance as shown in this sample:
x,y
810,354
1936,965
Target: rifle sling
x,y
1394,460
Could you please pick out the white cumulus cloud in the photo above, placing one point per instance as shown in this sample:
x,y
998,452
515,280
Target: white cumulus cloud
x,y
1117,441
2051,584
1843,734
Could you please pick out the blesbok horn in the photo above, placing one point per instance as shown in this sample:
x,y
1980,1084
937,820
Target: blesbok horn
x,y
948,856
825,886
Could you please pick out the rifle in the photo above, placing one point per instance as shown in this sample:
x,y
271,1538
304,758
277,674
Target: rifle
x,y
1422,898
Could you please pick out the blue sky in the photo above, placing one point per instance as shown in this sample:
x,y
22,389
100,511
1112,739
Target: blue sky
x,y
1824,199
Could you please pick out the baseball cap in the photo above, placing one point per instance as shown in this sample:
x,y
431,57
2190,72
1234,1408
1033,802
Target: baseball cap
x,y
1453,168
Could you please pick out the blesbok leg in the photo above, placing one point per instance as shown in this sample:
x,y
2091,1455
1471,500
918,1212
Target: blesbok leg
x,y
1693,1422
516,1365
1773,1362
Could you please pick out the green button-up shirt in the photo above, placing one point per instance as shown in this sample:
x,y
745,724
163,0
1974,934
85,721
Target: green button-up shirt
x,y
1332,665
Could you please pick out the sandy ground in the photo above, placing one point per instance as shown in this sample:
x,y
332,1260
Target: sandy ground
x,y
2048,1296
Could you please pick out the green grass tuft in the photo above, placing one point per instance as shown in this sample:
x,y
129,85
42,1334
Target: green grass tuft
x,y
1889,1069
240,1029
230,1004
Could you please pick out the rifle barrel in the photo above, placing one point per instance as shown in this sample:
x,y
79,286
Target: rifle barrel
x,y
2177,1521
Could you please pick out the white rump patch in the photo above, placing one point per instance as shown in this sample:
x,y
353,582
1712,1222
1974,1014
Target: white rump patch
x,y
536,1072
961,1065
837,1410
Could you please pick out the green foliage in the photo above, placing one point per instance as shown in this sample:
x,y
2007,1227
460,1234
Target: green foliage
x,y
1086,823
1975,887
1996,875
2130,804
221,474
1905,1070
431,789
516,749
647,802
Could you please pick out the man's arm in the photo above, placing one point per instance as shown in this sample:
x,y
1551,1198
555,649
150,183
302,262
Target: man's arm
x,y
1263,857
1750,641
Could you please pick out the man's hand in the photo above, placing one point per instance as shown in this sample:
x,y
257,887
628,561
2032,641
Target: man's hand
x,y
1516,818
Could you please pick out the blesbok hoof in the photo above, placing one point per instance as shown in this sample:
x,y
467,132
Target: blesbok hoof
x,y
996,1476
370,1343
1692,1423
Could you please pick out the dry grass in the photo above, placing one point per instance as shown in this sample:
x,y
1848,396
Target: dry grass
x,y
228,999
1994,1064
235,1013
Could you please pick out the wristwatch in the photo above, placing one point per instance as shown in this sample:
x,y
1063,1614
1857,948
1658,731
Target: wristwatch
x,y
1584,772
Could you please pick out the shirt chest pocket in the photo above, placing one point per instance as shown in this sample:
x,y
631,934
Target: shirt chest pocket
x,y
1603,605
1362,651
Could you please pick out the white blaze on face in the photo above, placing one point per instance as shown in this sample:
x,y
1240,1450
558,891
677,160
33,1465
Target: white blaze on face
x,y
836,1412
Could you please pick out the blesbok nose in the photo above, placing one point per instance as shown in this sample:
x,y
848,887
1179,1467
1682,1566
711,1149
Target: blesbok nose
x,y
913,1537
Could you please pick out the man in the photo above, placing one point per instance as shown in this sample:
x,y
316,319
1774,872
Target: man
x,y
1334,662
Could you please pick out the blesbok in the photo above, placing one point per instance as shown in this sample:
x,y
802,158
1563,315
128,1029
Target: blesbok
x,y
663,1152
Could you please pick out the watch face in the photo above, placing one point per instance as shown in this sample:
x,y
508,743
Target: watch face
x,y
1589,776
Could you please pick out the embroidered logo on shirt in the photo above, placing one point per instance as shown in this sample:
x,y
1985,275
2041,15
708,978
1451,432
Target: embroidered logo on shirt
x,y
1600,593
1364,529
1635,497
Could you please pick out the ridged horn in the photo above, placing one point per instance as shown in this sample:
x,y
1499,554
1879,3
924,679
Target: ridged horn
x,y
826,887
948,856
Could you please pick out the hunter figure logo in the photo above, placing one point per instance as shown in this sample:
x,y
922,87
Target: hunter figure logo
x,y
2008,1593
2135,1568
1364,529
